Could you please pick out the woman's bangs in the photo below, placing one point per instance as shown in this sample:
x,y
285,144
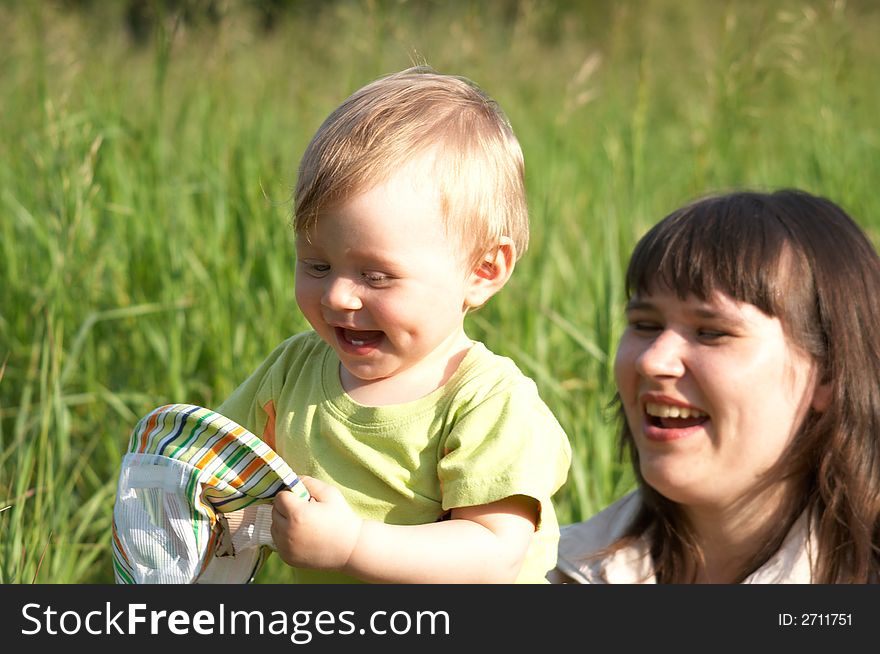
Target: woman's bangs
x,y
712,247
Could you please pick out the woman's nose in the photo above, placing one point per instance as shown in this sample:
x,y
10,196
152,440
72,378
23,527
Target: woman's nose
x,y
662,356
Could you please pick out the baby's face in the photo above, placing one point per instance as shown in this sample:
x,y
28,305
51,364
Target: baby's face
x,y
381,281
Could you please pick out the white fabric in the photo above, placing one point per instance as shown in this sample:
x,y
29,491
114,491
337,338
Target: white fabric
x,y
251,527
189,469
155,525
154,518
632,564
237,569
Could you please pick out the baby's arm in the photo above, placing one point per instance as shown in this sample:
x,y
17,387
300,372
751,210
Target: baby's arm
x,y
478,544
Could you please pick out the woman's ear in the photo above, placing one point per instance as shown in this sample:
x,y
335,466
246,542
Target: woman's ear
x,y
491,274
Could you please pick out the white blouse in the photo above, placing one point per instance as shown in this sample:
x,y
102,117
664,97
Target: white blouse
x,y
632,564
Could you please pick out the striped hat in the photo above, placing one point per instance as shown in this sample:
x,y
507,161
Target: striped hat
x,y
185,467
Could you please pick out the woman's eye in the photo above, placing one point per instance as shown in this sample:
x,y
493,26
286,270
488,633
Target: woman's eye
x,y
711,334
644,326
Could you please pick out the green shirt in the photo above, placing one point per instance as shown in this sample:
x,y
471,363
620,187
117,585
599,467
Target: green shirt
x,y
483,436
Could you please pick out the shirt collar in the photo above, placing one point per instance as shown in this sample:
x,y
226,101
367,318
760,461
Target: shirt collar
x,y
632,564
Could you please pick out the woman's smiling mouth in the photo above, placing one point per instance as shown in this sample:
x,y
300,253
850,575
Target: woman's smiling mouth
x,y
664,421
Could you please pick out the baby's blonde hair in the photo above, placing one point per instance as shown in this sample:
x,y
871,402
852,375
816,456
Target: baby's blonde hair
x,y
477,160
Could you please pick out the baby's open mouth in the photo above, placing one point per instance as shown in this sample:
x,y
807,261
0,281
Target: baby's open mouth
x,y
670,416
360,337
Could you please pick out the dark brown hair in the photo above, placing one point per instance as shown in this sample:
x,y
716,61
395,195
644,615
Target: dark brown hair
x,y
802,259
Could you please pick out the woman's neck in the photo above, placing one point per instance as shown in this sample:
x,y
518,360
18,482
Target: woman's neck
x,y
732,536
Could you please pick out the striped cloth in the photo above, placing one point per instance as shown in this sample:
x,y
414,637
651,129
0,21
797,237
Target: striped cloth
x,y
185,467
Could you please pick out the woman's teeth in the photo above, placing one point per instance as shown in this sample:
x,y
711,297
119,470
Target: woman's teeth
x,y
671,411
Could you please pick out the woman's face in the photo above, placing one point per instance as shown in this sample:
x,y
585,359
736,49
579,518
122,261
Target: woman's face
x,y
713,394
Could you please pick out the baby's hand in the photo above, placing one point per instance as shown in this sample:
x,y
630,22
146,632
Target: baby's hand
x,y
321,533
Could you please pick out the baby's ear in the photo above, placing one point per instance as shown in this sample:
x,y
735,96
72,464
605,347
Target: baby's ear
x,y
491,274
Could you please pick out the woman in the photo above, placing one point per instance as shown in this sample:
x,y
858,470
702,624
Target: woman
x,y
749,401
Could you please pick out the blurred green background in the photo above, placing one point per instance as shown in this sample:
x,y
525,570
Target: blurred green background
x,y
148,151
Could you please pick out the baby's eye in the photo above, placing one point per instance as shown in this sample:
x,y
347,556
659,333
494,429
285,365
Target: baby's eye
x,y
315,268
376,278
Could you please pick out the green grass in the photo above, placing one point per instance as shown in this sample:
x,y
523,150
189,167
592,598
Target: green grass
x,y
145,253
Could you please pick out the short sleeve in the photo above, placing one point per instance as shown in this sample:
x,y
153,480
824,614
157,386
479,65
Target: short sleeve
x,y
506,443
252,404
